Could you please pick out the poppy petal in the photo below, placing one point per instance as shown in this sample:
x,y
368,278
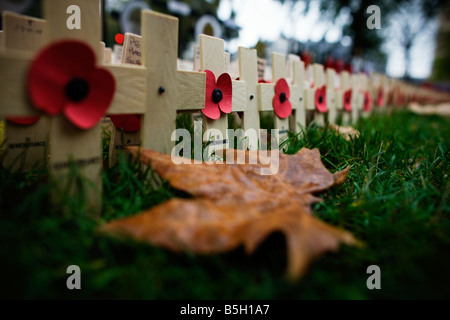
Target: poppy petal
x,y
211,109
321,99
52,69
282,86
225,85
348,100
86,113
127,122
26,121
282,110
367,101
380,97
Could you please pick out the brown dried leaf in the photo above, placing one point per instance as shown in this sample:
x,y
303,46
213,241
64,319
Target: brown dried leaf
x,y
235,205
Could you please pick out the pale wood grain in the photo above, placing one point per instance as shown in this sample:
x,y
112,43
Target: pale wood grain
x,y
190,87
26,146
25,34
319,81
67,141
279,71
13,94
55,12
22,32
331,102
212,58
356,98
298,96
266,92
248,72
239,96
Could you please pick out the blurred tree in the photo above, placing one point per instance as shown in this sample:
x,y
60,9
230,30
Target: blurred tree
x,y
187,23
410,20
441,66
396,17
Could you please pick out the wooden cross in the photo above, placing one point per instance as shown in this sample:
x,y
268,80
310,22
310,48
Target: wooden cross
x,y
345,86
331,96
248,72
357,98
131,54
365,88
297,75
26,145
168,90
266,92
319,81
66,140
338,96
212,57
310,102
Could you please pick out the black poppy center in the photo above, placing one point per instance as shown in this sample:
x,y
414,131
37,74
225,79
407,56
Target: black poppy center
x,y
320,99
217,95
282,97
77,89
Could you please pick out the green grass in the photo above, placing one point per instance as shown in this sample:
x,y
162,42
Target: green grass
x,y
395,200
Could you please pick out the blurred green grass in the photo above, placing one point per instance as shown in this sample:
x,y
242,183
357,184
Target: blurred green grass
x,y
395,200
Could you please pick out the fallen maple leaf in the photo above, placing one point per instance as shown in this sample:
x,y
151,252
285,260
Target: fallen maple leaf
x,y
235,205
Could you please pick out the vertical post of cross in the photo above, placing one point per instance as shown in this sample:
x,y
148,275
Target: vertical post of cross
x,y
168,90
356,98
338,95
298,96
297,73
84,146
346,88
212,58
248,72
319,81
331,96
279,71
26,144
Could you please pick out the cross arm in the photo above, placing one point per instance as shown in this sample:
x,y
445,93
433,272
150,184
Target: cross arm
x,y
266,92
239,96
13,96
130,94
190,90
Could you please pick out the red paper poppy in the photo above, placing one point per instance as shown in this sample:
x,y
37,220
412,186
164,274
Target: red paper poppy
x,y
321,99
367,101
281,104
380,97
218,95
127,122
64,78
348,100
400,99
26,121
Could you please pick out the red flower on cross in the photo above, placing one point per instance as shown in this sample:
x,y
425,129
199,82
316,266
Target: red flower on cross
x,y
64,79
348,100
281,104
218,96
321,100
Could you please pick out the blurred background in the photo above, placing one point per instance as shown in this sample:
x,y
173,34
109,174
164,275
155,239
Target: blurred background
x,y
412,43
